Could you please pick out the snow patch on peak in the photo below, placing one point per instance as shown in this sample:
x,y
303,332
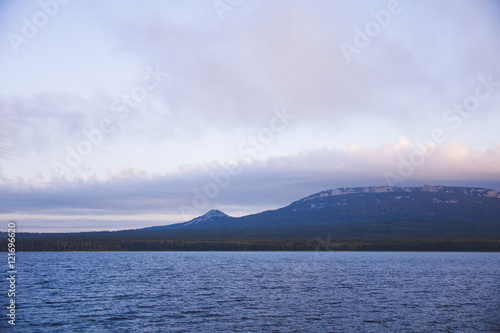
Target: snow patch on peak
x,y
396,189
214,213
208,216
492,193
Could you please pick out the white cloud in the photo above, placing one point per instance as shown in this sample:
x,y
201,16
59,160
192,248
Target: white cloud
x,y
261,184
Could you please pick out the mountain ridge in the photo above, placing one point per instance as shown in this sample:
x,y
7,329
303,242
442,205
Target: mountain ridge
x,y
394,189
427,218
374,211
446,194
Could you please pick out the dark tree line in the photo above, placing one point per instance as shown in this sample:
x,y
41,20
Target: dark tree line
x,y
89,243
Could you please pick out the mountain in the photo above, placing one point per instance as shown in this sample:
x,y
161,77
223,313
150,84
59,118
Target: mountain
x,y
383,211
210,217
427,218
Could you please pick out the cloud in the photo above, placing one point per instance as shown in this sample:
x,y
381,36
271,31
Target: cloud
x,y
259,184
229,74
41,123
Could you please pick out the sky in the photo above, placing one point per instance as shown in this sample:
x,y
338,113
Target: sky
x,y
127,114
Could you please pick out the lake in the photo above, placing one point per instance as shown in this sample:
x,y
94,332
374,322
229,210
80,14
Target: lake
x,y
256,292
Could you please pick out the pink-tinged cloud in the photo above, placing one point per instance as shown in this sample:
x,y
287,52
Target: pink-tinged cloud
x,y
258,184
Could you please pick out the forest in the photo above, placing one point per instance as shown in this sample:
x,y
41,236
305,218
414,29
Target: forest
x,y
88,242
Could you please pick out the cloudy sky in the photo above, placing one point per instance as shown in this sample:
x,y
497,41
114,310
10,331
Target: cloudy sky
x,y
124,114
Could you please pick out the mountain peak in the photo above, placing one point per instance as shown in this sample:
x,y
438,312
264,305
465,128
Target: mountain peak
x,y
214,213
207,217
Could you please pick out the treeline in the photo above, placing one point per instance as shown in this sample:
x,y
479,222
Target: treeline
x,y
318,244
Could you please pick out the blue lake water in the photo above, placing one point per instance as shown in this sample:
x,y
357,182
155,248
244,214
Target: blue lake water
x,y
256,292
